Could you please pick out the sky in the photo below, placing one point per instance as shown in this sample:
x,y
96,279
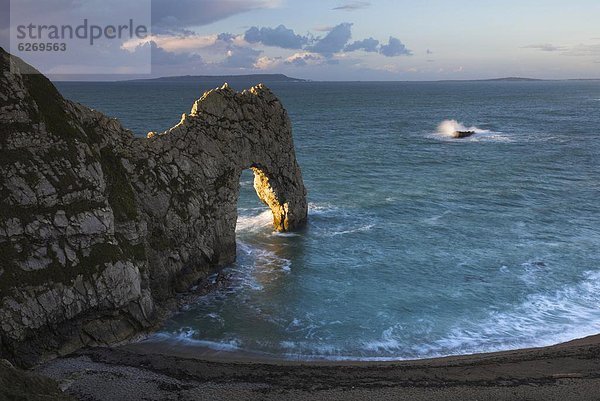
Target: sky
x,y
364,40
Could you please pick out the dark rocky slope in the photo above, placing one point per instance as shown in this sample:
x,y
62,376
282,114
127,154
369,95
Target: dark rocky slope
x,y
16,384
99,229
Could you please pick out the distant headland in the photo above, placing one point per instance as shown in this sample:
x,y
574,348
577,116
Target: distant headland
x,y
230,79
244,80
513,79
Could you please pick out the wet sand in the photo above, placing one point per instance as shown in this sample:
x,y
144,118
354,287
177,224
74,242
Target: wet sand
x,y
159,371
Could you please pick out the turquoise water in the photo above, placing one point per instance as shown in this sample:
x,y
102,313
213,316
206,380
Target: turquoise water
x,y
418,245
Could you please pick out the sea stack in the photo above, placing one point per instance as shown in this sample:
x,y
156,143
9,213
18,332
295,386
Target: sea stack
x,y
462,134
99,228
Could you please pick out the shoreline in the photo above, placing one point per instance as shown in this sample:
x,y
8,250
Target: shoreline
x,y
183,348
568,370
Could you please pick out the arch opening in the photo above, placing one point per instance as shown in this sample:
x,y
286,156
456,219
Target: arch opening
x,y
265,193
252,213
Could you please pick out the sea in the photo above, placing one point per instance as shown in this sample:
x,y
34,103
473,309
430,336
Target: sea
x,y
418,245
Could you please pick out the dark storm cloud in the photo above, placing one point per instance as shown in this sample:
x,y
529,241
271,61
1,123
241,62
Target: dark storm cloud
x,y
279,37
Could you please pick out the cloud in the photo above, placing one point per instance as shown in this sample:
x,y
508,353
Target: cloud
x,y
394,48
323,28
222,50
278,37
580,50
334,41
42,8
353,6
266,63
169,14
241,57
583,50
162,57
226,37
302,59
176,43
166,14
368,45
545,47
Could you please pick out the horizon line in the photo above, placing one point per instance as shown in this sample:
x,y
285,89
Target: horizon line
x,y
55,78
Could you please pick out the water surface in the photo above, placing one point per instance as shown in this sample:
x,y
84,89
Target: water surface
x,y
418,245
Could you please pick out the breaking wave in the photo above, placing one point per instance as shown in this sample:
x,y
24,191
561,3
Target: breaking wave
x,y
449,127
255,222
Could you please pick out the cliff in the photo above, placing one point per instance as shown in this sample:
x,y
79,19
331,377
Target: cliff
x,y
99,229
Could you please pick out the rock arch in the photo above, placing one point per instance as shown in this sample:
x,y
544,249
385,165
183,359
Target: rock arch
x,y
100,227
225,133
239,131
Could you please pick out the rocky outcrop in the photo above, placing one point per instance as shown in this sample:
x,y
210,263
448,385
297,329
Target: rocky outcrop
x,y
99,229
462,134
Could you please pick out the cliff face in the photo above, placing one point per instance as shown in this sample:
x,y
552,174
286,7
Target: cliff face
x,y
98,228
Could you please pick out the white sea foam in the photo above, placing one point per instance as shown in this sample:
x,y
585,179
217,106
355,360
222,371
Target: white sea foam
x,y
232,345
255,222
258,222
352,230
185,333
333,221
187,336
216,318
319,209
249,221
264,260
285,235
449,127
387,342
541,320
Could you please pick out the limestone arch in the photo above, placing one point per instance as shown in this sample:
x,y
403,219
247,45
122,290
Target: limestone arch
x,y
256,133
225,133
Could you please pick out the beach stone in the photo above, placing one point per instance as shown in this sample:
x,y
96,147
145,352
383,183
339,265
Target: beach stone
x,y
99,228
